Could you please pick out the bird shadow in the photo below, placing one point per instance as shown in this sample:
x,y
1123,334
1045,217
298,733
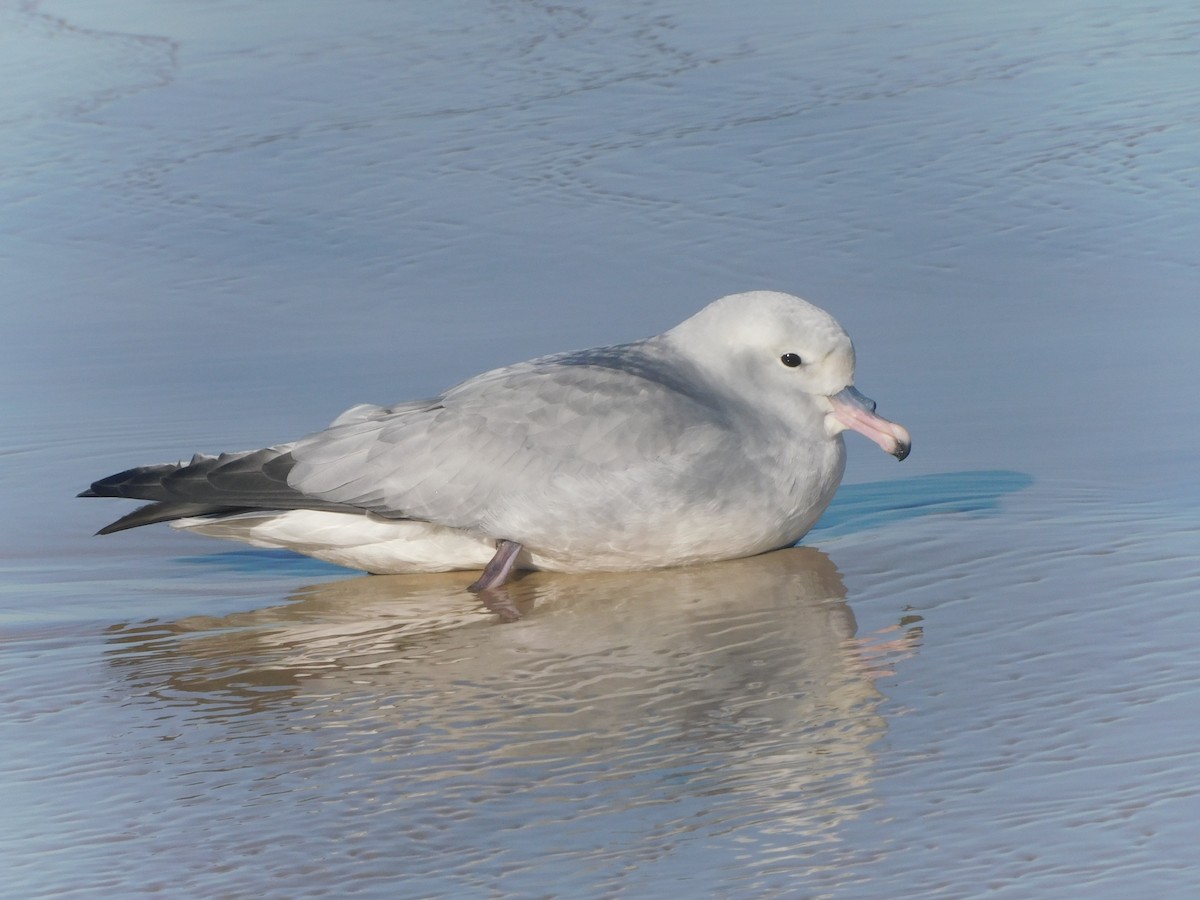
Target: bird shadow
x,y
877,504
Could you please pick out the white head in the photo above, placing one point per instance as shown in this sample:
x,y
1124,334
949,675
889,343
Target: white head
x,y
786,354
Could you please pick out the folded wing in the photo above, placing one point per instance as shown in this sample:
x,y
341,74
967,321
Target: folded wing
x,y
598,428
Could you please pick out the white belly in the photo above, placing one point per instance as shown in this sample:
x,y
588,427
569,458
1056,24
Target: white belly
x,y
371,543
402,546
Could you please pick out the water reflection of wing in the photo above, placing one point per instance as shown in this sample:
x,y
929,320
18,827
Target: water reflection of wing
x,y
743,676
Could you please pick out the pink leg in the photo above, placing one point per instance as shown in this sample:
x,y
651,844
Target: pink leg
x,y
496,572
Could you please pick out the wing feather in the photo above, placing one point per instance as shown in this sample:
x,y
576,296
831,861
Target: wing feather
x,y
596,429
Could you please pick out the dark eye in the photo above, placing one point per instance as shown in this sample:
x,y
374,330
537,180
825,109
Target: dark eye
x,y
791,360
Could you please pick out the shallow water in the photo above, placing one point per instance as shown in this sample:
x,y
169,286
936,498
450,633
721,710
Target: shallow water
x,y
223,225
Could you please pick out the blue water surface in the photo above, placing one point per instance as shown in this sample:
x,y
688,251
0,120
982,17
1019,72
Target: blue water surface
x,y
221,224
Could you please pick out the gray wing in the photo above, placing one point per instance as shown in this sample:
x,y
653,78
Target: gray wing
x,y
583,427
207,485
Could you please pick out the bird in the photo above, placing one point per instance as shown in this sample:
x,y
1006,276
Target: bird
x,y
718,439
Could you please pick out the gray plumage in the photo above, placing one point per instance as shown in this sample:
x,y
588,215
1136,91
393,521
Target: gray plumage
x,y
694,444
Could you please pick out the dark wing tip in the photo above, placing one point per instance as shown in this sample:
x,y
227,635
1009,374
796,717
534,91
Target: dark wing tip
x,y
143,515
167,511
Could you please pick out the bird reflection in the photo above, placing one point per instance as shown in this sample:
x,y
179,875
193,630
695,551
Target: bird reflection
x,y
742,678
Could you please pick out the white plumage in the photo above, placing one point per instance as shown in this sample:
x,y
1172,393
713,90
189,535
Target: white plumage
x,y
717,439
